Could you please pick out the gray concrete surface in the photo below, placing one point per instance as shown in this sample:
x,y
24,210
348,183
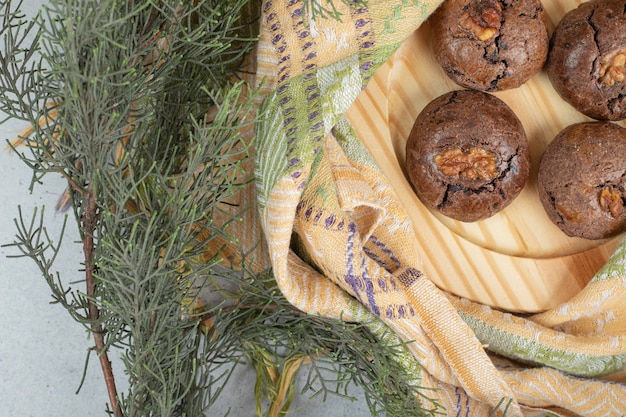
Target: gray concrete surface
x,y
42,350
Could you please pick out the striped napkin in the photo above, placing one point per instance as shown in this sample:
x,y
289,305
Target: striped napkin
x,y
338,239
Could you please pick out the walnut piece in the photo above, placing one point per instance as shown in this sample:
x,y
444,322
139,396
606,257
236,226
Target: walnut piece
x,y
572,216
477,163
483,19
611,201
613,68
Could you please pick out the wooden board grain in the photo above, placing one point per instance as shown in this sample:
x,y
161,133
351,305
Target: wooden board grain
x,y
516,260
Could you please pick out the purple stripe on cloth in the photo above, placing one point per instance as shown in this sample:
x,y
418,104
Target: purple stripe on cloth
x,y
330,221
386,250
376,259
359,284
369,289
460,394
458,401
350,278
399,311
409,276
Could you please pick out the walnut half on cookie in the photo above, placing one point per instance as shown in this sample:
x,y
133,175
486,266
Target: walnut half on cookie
x,y
587,59
490,45
582,180
467,155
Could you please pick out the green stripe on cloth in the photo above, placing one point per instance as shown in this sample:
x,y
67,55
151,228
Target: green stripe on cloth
x,y
532,351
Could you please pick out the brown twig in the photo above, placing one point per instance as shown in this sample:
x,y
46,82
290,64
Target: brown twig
x,y
89,220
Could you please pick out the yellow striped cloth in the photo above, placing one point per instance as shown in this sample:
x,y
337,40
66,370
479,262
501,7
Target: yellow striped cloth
x,y
338,240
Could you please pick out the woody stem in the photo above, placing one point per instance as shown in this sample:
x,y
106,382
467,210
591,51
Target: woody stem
x,y
89,220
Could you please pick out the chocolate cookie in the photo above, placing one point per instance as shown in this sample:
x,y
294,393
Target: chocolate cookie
x,y
490,45
582,180
467,155
587,59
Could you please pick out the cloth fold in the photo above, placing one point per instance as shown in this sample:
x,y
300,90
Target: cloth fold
x,y
339,241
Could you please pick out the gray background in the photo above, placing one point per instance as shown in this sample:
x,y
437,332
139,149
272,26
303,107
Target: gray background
x,y
42,350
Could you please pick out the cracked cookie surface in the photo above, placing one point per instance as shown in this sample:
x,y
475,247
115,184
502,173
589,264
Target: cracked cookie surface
x,y
582,180
587,59
490,45
467,155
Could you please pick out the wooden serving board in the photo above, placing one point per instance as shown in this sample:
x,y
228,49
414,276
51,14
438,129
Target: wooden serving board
x,y
516,260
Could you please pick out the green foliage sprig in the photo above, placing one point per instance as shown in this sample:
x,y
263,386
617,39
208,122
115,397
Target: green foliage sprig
x,y
140,106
